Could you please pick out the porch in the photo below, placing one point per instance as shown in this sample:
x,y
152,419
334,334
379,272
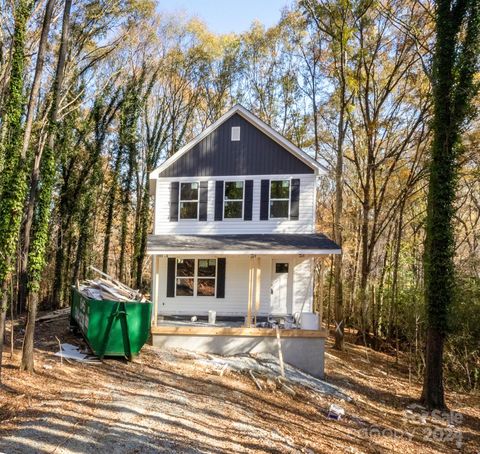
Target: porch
x,y
300,348
253,278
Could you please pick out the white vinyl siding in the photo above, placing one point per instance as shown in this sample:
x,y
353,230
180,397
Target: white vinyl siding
x,y
304,224
303,282
236,288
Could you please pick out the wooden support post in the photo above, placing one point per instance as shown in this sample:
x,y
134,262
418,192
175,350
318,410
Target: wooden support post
x,y
280,354
258,275
250,293
154,295
320,293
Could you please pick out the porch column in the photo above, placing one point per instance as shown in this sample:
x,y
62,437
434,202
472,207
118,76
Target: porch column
x,y
253,304
258,276
154,295
320,291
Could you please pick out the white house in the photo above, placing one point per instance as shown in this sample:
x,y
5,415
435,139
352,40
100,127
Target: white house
x,y
234,230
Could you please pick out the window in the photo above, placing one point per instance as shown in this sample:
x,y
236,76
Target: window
x,y
233,200
281,268
196,277
185,277
279,198
189,200
207,270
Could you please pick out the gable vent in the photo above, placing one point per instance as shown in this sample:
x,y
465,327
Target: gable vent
x,y
235,133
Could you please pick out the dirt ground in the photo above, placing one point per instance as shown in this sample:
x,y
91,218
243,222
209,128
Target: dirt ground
x,y
164,401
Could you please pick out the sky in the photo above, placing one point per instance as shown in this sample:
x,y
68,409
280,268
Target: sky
x,y
226,16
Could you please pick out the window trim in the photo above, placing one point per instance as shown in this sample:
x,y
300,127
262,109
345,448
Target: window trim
x,y
233,200
196,277
270,199
192,201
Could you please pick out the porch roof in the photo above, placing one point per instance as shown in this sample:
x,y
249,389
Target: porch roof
x,y
243,244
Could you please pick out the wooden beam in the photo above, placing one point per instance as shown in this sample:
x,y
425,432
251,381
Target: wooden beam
x,y
248,322
239,331
258,275
320,292
155,268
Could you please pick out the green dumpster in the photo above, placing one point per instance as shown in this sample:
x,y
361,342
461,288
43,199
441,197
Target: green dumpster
x,y
111,328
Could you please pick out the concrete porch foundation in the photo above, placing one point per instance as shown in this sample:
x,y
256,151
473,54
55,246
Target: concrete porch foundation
x,y
305,353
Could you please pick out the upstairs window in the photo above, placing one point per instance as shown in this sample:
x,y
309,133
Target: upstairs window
x,y
195,277
279,198
189,200
233,200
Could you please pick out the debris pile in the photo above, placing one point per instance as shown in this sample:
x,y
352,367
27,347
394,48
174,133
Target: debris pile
x,y
263,368
107,288
69,351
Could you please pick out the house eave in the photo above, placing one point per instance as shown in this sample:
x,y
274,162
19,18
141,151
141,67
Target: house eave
x,y
310,252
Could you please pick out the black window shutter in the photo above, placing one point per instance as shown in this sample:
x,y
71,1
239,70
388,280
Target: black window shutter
x,y
221,262
295,199
219,200
174,185
202,216
247,215
264,196
171,277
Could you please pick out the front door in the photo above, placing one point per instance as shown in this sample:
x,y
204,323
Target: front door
x,y
280,283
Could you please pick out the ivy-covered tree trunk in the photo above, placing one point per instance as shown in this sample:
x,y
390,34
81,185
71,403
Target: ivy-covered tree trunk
x,y
124,228
87,214
112,196
13,178
141,235
35,173
454,66
130,113
36,256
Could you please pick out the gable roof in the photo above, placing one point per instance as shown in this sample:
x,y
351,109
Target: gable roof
x,y
257,123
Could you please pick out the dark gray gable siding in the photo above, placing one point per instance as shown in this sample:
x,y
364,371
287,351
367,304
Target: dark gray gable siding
x,y
254,154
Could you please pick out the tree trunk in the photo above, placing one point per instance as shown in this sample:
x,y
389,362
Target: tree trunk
x,y
58,283
42,47
338,291
123,235
41,223
3,317
141,240
27,362
25,241
27,231
13,177
111,207
454,67
433,392
364,271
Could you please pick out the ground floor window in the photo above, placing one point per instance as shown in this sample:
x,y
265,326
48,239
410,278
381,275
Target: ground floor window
x,y
195,277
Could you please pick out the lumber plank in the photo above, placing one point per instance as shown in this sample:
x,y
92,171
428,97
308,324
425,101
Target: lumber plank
x,y
237,331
